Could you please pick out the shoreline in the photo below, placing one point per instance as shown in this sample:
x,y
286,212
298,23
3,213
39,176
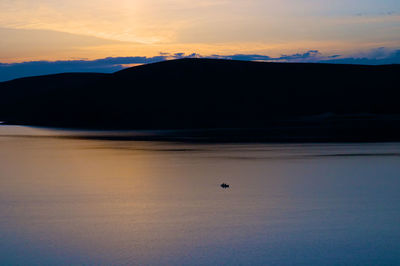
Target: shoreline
x,y
245,135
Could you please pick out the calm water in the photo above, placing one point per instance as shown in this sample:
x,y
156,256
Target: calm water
x,y
76,201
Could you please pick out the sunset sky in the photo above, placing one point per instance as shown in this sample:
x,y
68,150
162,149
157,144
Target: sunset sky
x,y
55,30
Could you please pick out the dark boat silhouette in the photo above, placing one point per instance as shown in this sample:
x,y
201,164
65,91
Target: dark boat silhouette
x,y
224,185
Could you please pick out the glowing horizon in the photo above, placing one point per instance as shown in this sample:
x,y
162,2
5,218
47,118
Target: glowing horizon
x,y
92,29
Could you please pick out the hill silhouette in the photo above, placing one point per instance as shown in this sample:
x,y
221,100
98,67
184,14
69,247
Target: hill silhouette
x,y
271,101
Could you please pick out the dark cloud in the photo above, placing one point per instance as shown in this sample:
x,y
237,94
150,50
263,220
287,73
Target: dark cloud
x,y
294,57
384,13
105,65
377,56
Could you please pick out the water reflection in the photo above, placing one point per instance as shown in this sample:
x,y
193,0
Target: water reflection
x,y
76,201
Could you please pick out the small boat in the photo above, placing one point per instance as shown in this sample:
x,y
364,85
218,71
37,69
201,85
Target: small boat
x,y
224,185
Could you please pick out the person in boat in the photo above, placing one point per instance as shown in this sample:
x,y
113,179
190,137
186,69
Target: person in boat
x,y
224,185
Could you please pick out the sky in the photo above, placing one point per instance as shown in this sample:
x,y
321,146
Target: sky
x,y
90,30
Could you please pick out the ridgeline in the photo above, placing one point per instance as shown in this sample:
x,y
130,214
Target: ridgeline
x,y
237,100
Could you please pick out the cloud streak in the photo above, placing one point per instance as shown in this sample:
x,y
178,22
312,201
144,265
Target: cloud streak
x,y
377,56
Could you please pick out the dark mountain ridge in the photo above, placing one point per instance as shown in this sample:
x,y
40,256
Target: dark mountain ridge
x,y
282,100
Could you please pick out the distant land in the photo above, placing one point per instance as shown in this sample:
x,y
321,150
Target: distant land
x,y
213,99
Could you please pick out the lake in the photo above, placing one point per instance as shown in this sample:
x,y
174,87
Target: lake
x,y
66,199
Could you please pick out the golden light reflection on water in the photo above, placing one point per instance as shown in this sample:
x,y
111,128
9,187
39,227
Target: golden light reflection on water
x,y
95,196
79,201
